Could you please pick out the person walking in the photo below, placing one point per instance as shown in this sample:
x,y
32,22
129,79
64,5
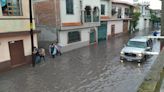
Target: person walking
x,y
42,54
50,49
53,51
58,48
36,55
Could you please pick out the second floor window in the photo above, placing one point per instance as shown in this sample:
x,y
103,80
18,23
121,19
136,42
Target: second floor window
x,y
119,12
102,9
69,7
127,11
114,10
11,7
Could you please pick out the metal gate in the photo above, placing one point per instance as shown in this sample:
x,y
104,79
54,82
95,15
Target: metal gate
x,y
102,31
92,36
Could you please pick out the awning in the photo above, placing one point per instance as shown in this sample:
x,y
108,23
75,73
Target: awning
x,y
11,34
3,3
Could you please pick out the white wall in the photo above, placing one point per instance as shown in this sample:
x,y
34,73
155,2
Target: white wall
x,y
67,18
122,9
5,48
107,7
70,17
63,36
118,26
141,23
92,3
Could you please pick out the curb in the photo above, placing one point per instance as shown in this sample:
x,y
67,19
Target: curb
x,y
153,80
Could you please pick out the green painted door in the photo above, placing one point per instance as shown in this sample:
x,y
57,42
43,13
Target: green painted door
x,y
102,31
92,37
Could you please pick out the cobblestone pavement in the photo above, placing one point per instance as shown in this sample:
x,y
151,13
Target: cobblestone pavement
x,y
95,68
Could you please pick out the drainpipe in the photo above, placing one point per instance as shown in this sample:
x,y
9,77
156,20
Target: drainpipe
x,y
57,18
162,25
81,12
31,32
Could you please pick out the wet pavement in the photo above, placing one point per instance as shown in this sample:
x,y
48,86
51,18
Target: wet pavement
x,y
95,68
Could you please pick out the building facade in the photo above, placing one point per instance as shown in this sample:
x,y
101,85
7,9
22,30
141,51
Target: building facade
x,y
144,20
15,39
76,21
115,18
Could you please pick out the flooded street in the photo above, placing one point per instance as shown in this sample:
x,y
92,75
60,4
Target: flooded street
x,y
96,68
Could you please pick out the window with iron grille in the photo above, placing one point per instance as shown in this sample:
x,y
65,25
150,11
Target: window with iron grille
x,y
11,7
114,10
74,36
127,11
69,7
119,12
102,9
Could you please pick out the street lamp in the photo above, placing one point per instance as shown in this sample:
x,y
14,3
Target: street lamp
x,y
31,32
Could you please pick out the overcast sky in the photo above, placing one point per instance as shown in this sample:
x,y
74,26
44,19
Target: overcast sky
x,y
154,4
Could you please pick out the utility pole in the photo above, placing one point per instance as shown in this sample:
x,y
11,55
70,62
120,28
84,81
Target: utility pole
x,y
31,32
162,24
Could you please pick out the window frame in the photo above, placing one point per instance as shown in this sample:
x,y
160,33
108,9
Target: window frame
x,y
127,11
103,9
74,40
113,10
68,7
19,9
119,12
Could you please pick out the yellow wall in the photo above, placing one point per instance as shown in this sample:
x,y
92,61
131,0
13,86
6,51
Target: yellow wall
x,y
14,23
4,48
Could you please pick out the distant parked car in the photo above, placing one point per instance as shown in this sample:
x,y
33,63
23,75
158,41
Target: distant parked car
x,y
156,33
135,49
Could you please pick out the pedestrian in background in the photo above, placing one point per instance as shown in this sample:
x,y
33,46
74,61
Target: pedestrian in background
x,y
53,50
58,47
36,55
42,54
50,49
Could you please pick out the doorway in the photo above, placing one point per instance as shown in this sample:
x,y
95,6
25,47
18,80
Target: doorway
x,y
102,31
92,36
16,53
112,30
125,26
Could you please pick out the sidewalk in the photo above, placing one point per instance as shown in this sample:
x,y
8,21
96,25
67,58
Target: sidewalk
x,y
162,87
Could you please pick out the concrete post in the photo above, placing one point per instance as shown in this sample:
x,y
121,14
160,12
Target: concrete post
x,y
162,24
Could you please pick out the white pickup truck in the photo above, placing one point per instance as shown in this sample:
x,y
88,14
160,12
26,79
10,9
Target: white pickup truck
x,y
135,49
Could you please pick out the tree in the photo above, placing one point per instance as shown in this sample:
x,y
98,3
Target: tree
x,y
134,21
154,19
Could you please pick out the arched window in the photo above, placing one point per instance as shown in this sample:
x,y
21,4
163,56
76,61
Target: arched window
x,y
96,14
87,14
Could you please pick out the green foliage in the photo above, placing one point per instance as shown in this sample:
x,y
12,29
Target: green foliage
x,y
135,18
154,19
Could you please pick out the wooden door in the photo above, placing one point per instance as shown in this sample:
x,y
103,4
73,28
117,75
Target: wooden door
x,y
16,53
112,30
125,26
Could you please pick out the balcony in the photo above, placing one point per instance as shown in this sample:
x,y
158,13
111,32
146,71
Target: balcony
x,y
88,18
95,18
91,15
